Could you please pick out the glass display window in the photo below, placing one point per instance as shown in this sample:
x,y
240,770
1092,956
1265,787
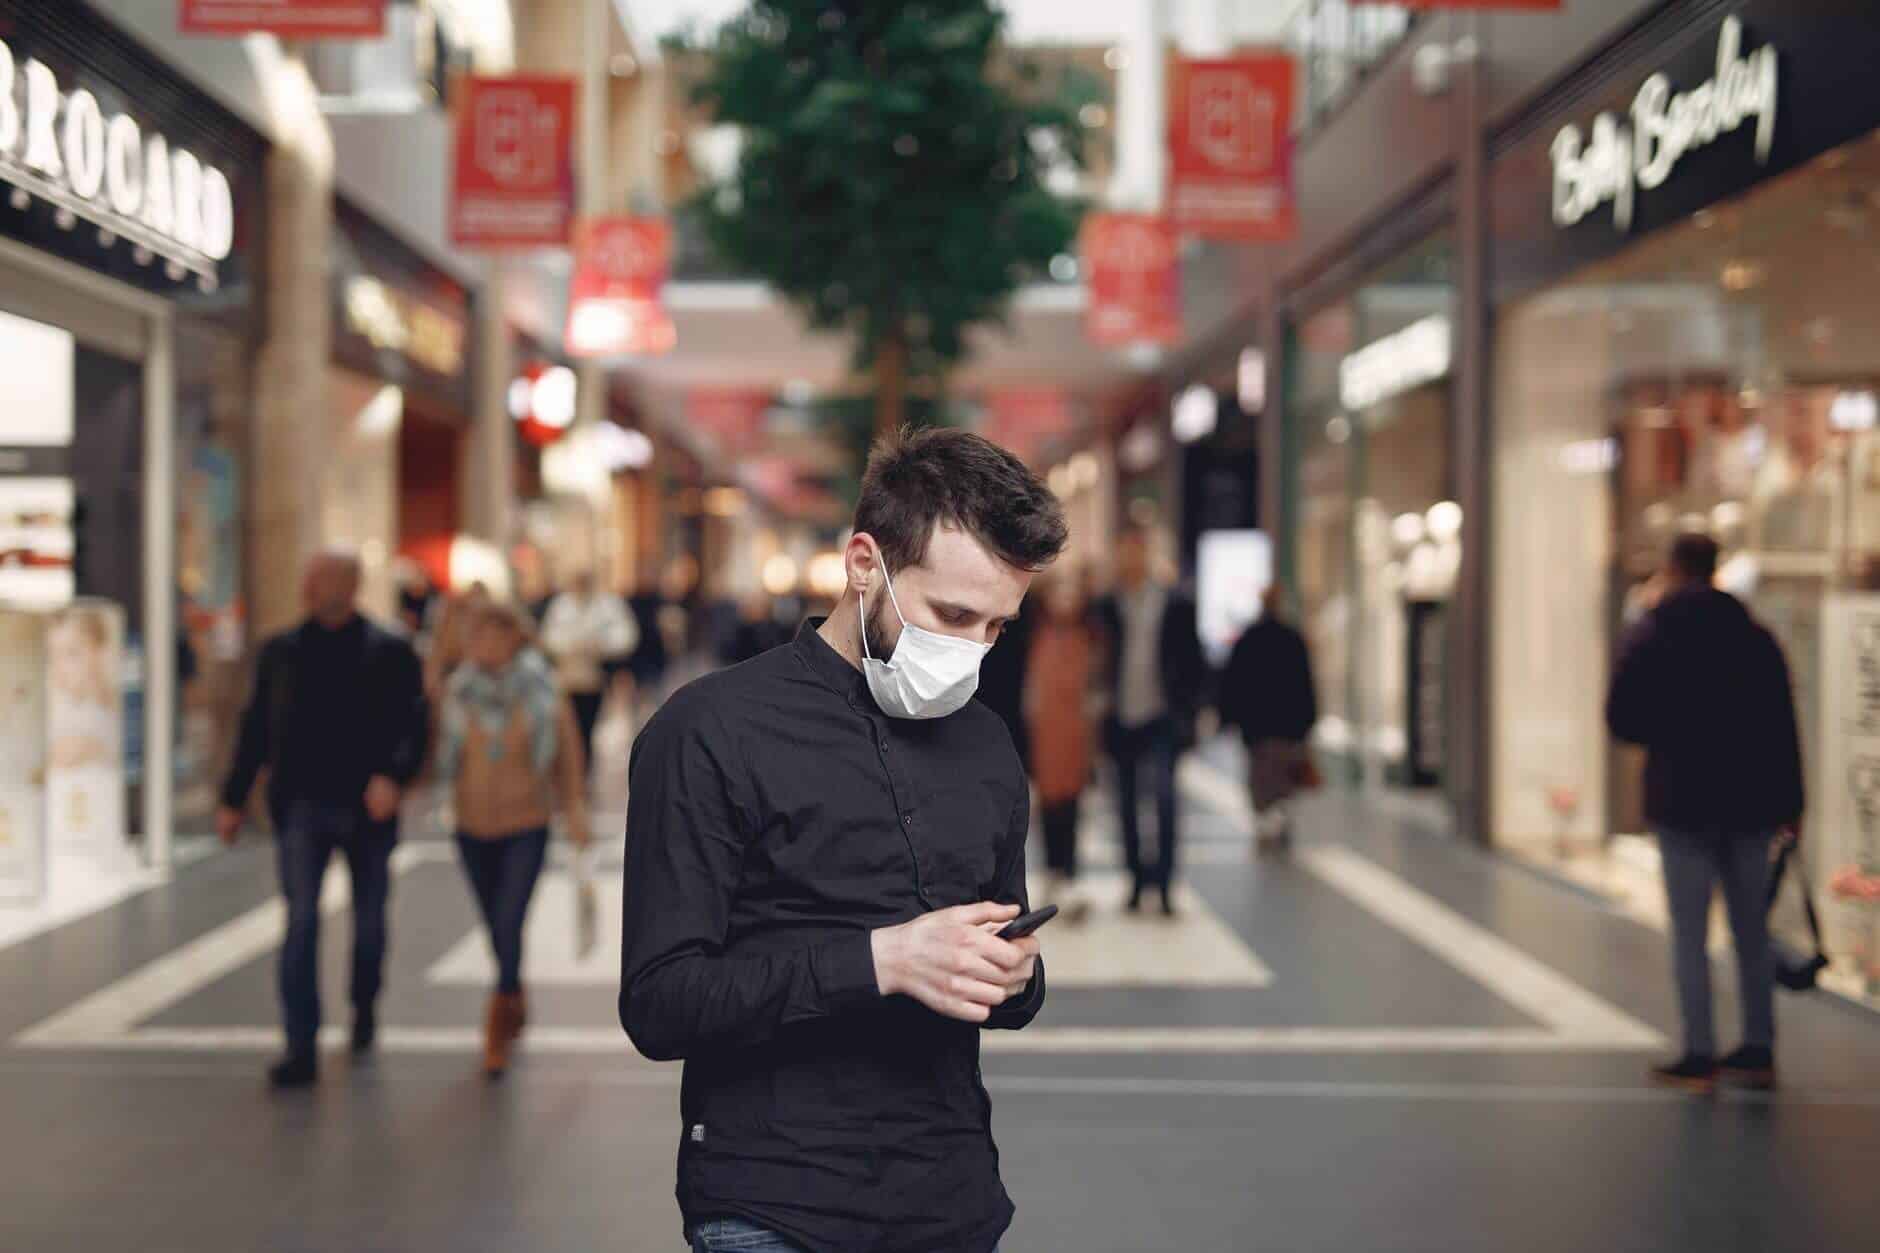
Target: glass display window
x,y
1720,376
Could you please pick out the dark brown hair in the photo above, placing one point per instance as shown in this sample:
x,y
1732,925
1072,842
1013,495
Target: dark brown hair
x,y
1694,556
921,478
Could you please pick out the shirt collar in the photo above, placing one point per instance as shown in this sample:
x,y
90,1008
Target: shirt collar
x,y
826,663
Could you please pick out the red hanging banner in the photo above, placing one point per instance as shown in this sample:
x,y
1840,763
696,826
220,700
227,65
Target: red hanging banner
x,y
1230,148
734,416
620,264
1132,273
290,19
514,177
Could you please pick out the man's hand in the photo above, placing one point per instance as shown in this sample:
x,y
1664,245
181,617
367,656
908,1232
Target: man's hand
x,y
228,824
382,796
952,962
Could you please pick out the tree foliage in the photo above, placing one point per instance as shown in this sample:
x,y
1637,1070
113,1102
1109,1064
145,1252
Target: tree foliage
x,y
891,180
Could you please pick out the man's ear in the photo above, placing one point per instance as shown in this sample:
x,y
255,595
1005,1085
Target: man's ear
x,y
860,561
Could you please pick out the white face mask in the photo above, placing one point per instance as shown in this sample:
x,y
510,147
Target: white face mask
x,y
931,675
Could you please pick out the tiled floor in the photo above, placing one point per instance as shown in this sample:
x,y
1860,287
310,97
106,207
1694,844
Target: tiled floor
x,y
1385,1042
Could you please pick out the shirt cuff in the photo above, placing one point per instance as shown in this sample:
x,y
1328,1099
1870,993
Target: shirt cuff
x,y
845,972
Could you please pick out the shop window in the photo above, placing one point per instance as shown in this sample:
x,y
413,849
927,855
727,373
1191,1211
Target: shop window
x,y
1718,376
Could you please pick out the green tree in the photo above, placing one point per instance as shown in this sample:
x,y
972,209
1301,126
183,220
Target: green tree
x,y
891,179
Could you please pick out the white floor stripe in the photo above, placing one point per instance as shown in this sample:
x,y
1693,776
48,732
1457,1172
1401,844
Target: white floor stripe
x,y
113,1011
1530,986
609,1041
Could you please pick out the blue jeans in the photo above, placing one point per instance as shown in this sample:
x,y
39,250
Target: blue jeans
x,y
735,1235
502,873
310,833
1151,747
1694,865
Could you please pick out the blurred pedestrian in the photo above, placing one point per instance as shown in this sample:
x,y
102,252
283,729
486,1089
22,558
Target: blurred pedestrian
x,y
1057,702
1704,688
650,658
1157,677
757,631
582,632
448,637
820,847
1002,678
338,719
1267,692
509,752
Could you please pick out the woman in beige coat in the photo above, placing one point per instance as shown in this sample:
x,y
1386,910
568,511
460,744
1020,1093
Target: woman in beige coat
x,y
510,753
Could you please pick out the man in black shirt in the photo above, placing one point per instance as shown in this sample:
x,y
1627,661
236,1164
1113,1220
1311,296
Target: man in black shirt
x,y
821,845
338,718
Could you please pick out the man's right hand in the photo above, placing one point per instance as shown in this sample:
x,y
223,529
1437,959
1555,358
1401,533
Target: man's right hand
x,y
948,961
228,824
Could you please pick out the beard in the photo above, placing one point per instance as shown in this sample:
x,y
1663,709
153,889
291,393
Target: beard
x,y
875,631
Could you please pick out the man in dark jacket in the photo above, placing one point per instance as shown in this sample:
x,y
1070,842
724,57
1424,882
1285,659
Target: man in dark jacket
x,y
821,846
338,719
1703,687
1157,675
1268,693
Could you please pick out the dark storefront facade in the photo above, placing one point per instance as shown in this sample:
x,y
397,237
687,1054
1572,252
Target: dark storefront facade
x,y
130,215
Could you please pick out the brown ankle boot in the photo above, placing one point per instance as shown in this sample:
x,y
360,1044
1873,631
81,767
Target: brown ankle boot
x,y
521,1020
496,1037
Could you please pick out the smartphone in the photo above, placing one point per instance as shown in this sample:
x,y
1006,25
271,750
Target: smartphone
x,y
1025,924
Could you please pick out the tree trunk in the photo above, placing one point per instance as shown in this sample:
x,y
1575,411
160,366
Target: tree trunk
x,y
890,385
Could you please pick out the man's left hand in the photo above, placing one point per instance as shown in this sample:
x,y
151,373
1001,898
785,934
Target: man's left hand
x,y
382,797
1018,975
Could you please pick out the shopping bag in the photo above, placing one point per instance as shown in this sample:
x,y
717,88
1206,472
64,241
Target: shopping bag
x,y
586,906
1796,969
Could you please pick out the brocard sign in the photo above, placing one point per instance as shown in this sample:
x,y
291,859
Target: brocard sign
x,y
59,146
1622,156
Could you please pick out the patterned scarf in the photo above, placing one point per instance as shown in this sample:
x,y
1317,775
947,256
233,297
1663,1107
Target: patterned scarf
x,y
526,684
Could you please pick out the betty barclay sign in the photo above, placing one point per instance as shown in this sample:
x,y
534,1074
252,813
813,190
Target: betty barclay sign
x,y
60,147
1623,156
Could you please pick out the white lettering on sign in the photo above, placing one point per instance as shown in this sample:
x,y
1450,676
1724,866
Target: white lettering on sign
x,y
63,149
1620,157
1391,366
388,319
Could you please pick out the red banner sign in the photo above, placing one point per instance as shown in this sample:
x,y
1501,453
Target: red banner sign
x,y
1230,148
290,19
732,415
1133,274
620,264
514,178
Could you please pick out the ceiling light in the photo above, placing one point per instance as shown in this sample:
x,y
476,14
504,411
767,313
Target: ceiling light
x,y
553,402
1093,116
1444,521
1115,58
623,65
1195,414
1741,275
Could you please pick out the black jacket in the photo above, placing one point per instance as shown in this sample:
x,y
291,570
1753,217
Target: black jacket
x,y
329,711
1267,690
1184,668
1702,686
777,818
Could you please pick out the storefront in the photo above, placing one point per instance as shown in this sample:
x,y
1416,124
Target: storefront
x,y
129,211
1375,535
1686,337
401,402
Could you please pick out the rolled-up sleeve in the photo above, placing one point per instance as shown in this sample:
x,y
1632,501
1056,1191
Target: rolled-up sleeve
x,y
687,829
1009,889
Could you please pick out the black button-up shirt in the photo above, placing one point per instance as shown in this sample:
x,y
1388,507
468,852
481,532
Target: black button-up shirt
x,y
777,816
